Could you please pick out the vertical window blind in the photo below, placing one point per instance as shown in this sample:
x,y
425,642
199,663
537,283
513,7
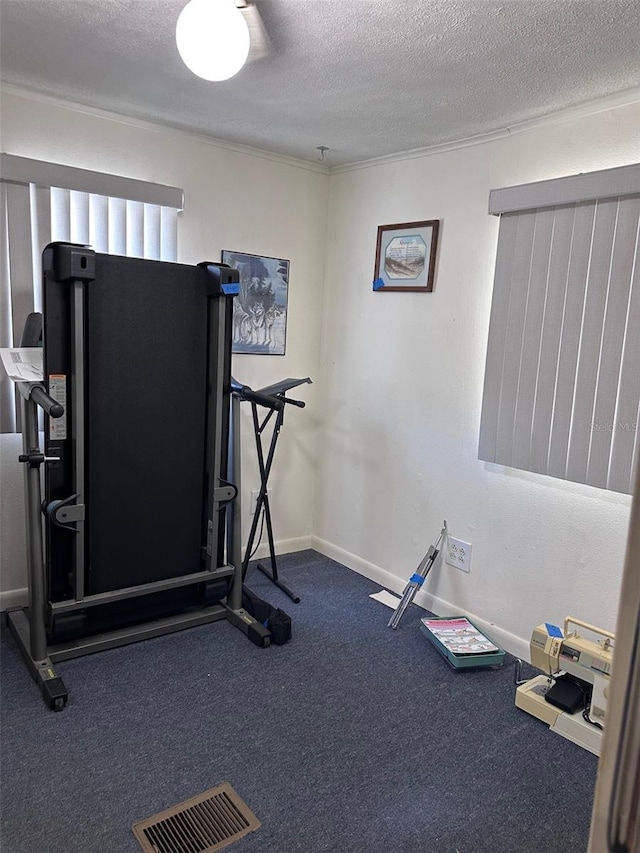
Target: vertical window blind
x,y
44,202
562,378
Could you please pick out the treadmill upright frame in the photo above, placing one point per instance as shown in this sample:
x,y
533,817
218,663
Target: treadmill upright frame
x,y
65,456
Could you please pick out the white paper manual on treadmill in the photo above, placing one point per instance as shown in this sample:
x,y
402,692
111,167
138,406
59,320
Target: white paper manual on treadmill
x,y
459,636
22,364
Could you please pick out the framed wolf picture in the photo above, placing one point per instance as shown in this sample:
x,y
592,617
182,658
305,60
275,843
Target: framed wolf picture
x,y
260,309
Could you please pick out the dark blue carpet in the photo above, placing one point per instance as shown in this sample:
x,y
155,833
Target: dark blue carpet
x,y
351,738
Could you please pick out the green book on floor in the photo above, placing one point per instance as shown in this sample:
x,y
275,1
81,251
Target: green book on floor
x,y
460,642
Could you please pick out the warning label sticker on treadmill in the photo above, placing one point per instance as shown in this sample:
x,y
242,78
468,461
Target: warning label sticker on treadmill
x,y
58,390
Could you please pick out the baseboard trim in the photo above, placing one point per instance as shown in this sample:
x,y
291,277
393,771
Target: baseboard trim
x,y
510,642
505,639
13,598
283,546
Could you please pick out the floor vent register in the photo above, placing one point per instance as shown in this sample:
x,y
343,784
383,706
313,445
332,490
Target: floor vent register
x,y
203,824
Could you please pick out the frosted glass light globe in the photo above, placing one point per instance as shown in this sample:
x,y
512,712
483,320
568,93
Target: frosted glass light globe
x,y
212,38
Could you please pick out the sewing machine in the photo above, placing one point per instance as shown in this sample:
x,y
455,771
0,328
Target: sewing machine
x,y
577,680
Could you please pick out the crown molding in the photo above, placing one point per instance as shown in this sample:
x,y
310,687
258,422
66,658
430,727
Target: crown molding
x,y
609,102
621,99
157,127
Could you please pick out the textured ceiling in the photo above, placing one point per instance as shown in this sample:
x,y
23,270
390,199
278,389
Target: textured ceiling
x,y
367,78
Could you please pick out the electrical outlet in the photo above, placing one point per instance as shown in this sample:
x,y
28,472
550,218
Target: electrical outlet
x,y
254,499
458,554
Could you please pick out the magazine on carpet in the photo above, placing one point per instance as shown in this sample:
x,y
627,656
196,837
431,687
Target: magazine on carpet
x,y
459,636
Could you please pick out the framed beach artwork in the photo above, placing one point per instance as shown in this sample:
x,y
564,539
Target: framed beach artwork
x,y
260,309
406,256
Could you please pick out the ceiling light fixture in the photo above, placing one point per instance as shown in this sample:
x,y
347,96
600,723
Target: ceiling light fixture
x,y
212,38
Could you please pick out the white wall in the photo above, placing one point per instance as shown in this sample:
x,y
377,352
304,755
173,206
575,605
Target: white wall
x,y
403,385
233,200
393,415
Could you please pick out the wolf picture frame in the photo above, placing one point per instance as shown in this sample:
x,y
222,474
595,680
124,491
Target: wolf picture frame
x,y
260,309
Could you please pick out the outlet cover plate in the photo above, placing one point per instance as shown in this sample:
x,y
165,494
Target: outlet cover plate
x,y
458,554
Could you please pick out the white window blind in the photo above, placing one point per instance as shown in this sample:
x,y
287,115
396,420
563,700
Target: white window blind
x,y
115,226
44,202
562,379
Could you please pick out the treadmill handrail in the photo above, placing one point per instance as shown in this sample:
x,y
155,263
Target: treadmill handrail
x,y
39,396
